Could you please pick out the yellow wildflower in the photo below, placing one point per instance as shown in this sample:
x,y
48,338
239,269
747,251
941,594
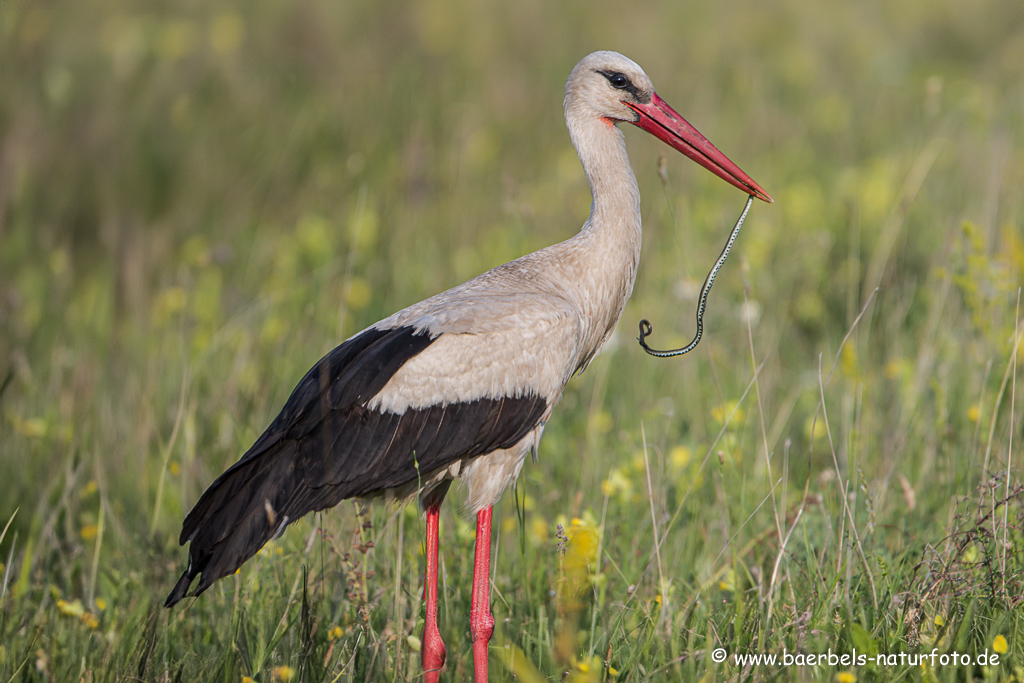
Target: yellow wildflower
x,y
896,368
939,621
248,679
730,410
1000,645
728,582
283,673
586,671
617,484
679,456
846,677
815,428
583,536
334,633
32,427
88,532
71,609
75,610
974,413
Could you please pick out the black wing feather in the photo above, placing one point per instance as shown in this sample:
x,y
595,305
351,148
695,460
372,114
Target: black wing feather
x,y
326,445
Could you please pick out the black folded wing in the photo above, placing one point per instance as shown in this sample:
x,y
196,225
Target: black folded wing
x,y
326,445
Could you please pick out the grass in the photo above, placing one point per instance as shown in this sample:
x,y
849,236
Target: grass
x,y
198,201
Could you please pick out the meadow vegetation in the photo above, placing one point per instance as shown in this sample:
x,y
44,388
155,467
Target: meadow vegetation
x,y
198,200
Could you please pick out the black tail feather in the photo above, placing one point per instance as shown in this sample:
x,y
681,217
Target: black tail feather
x,y
180,591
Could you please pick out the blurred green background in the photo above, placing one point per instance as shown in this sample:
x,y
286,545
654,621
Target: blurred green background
x,y
198,200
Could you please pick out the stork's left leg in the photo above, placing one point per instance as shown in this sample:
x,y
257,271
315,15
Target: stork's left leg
x,y
481,621
433,647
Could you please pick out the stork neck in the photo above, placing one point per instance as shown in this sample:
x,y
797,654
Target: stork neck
x,y
609,243
616,198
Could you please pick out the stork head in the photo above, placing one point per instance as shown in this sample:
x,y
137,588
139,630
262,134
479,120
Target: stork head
x,y
611,87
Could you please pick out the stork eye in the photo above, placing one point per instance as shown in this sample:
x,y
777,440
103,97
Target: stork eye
x,y
619,81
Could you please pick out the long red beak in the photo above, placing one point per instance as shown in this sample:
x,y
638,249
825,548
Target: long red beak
x,y
664,123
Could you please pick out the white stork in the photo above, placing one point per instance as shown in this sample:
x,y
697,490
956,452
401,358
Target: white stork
x,y
458,386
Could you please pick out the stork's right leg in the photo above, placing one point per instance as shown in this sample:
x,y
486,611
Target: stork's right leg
x,y
433,647
481,621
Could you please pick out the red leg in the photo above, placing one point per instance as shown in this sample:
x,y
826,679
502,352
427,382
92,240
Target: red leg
x,y
481,621
433,647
